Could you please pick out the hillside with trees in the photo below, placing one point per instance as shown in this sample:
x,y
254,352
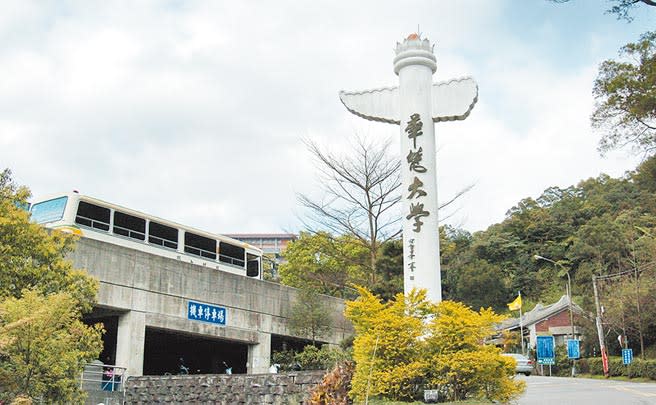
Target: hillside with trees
x,y
600,226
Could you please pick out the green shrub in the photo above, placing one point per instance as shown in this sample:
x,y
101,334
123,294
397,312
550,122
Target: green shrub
x,y
311,358
410,343
583,366
563,366
637,369
284,358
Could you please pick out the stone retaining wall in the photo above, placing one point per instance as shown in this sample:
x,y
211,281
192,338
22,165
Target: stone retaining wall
x,y
284,388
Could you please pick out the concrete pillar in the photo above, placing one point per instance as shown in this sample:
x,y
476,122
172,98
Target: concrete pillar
x,y
415,65
259,355
416,104
130,340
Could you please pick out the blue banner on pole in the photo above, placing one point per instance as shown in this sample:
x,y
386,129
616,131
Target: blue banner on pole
x,y
627,356
198,311
573,349
545,350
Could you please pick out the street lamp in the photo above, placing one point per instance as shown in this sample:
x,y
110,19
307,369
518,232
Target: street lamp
x,y
569,298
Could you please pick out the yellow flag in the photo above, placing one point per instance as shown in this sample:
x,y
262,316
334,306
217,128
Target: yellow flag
x,y
516,305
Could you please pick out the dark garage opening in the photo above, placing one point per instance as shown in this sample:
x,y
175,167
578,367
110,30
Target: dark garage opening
x,y
108,355
110,324
282,343
202,355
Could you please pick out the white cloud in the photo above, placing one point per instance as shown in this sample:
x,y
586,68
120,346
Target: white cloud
x,y
194,111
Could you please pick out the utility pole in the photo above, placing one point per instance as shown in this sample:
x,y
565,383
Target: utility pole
x,y
642,340
600,328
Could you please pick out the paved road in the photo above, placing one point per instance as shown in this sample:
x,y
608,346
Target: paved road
x,y
583,391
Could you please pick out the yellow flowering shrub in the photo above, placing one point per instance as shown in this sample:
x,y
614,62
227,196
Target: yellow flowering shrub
x,y
409,344
388,349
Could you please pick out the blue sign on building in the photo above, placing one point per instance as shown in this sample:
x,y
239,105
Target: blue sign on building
x,y
545,350
573,349
627,356
198,311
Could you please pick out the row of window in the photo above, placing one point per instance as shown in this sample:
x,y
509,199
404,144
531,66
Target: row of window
x,y
95,216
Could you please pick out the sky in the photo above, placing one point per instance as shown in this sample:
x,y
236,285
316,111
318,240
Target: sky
x,y
195,111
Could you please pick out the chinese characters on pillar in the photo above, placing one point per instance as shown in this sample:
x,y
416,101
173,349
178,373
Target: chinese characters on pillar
x,y
411,258
416,192
417,211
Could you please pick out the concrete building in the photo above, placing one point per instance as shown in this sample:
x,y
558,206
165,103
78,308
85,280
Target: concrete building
x,y
146,301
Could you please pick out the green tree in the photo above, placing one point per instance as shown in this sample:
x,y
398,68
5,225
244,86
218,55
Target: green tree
x,y
31,256
309,317
325,264
482,285
625,92
454,251
361,190
390,269
629,308
645,175
45,347
43,344
621,8
600,226
602,242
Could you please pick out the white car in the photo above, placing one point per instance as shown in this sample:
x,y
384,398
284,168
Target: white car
x,y
523,364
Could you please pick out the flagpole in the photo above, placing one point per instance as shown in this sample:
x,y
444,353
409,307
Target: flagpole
x,y
521,326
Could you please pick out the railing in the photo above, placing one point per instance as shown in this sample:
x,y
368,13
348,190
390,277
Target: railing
x,y
200,252
167,243
102,377
130,233
232,260
92,223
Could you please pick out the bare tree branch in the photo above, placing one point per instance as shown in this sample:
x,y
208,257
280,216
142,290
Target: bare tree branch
x,y
360,191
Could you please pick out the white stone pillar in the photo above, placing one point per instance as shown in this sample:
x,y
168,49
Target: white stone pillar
x,y
130,341
415,65
259,355
416,104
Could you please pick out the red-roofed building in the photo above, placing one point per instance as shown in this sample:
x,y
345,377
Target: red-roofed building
x,y
547,320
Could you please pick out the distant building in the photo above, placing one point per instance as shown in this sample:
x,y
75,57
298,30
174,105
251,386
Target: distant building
x,y
547,320
270,243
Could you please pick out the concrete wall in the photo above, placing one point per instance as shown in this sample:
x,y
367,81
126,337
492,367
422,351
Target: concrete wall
x,y
153,291
288,388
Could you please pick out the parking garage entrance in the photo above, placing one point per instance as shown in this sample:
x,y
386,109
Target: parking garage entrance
x,y
171,352
286,343
109,320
